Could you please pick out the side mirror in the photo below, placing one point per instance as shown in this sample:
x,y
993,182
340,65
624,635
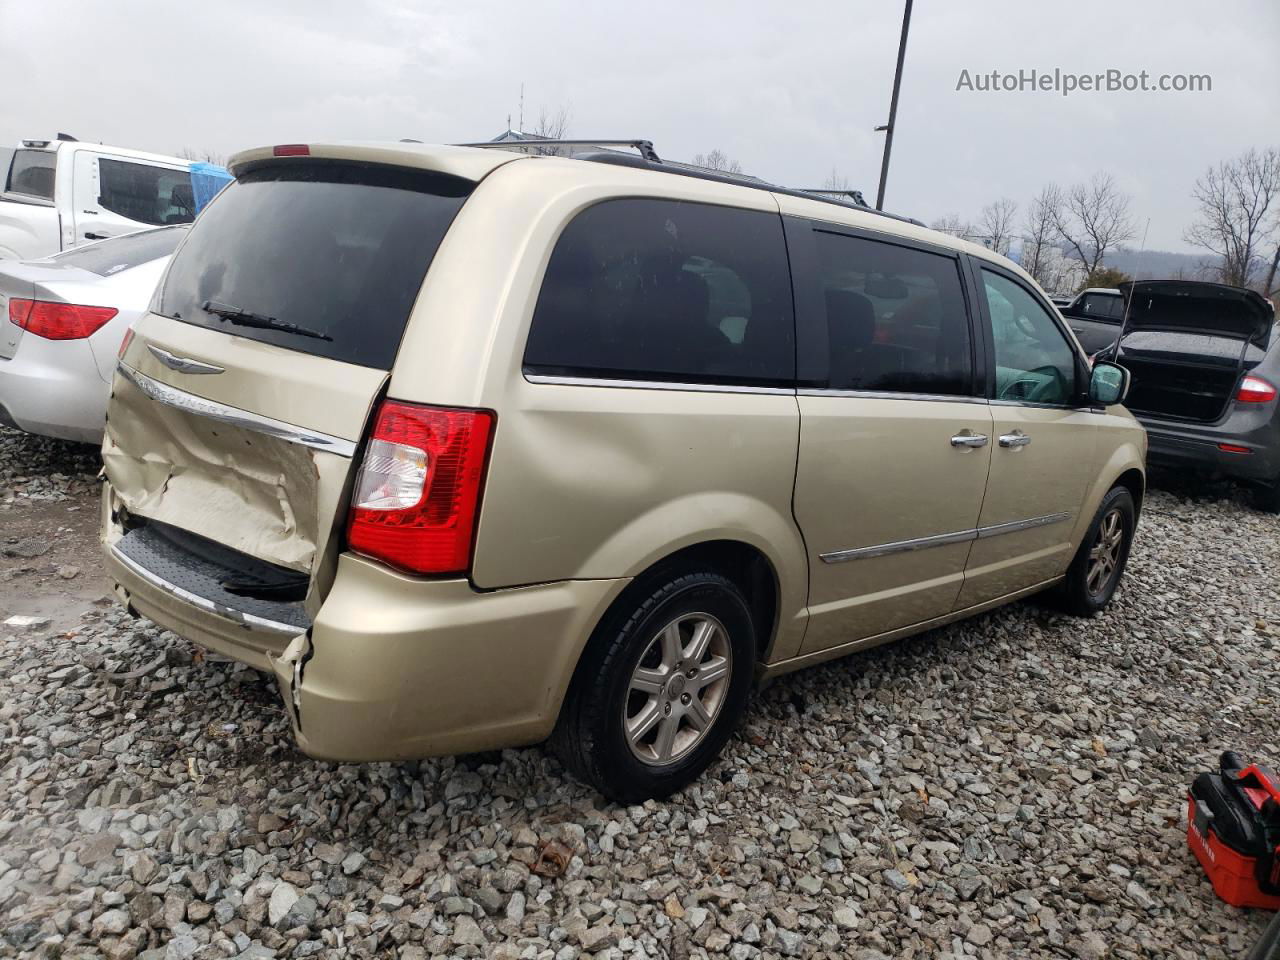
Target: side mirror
x,y
1108,384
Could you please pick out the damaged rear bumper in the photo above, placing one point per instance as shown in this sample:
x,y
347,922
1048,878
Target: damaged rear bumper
x,y
399,668
394,667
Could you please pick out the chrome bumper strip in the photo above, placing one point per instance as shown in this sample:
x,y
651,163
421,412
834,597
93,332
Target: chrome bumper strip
x,y
204,603
942,539
223,413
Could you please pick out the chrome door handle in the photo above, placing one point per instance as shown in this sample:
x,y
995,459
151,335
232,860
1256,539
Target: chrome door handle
x,y
1014,440
969,440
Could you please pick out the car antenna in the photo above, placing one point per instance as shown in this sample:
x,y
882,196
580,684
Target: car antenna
x,y
1128,301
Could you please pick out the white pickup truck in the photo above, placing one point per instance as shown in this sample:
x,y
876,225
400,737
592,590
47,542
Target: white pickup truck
x,y
57,194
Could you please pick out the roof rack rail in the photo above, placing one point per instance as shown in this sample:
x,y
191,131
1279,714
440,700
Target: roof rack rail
x,y
648,159
854,195
645,147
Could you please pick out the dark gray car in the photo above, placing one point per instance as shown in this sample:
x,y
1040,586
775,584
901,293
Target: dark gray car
x,y
1205,360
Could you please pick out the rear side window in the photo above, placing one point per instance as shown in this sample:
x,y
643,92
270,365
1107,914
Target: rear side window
x,y
31,173
145,193
339,251
896,318
108,257
666,290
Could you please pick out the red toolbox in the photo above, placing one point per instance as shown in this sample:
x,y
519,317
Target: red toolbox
x,y
1233,827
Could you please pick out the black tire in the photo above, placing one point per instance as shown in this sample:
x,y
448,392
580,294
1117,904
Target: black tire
x,y
590,737
1266,497
1076,595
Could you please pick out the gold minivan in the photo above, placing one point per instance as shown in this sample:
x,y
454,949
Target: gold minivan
x,y
472,449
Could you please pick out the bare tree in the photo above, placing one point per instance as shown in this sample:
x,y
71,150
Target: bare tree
x,y
837,182
717,160
952,224
206,156
1234,199
1040,233
1269,287
996,224
1094,218
552,125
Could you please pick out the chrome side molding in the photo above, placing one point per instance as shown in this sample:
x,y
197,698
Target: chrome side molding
x,y
1014,526
942,539
223,413
899,546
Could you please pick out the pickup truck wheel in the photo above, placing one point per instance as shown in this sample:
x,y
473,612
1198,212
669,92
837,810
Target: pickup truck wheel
x,y
1099,563
660,689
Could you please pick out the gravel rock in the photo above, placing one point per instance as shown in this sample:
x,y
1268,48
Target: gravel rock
x,y
283,898
1007,786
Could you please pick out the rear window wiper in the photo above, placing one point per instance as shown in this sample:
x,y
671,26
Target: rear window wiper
x,y
246,318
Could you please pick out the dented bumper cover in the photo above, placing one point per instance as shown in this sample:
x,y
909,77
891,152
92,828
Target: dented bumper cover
x,y
394,667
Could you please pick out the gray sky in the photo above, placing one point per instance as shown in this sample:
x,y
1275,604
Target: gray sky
x,y
792,90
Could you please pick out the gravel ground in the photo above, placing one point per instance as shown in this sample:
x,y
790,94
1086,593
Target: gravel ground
x,y
1007,787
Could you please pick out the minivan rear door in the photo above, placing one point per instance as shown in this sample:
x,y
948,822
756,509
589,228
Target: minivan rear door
x,y
894,444
240,402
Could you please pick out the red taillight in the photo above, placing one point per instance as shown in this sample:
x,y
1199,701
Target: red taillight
x,y
291,150
1255,390
58,321
418,490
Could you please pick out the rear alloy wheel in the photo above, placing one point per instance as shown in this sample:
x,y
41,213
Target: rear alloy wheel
x,y
677,689
1099,563
660,687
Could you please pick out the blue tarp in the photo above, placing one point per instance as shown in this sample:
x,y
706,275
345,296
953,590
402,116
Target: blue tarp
x,y
206,180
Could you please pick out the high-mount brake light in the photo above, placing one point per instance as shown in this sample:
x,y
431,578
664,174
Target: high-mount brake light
x,y
58,321
1255,390
417,495
291,150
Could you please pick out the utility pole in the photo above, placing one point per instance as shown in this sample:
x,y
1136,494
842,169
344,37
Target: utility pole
x,y
893,106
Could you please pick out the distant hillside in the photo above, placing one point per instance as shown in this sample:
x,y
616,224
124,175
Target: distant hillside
x,y
1162,265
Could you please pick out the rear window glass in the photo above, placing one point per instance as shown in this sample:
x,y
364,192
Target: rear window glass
x,y
31,173
666,290
336,250
108,257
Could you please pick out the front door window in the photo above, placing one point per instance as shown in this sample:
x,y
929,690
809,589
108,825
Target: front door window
x,y
1034,361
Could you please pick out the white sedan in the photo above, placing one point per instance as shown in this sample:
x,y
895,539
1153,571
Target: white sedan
x,y
61,323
